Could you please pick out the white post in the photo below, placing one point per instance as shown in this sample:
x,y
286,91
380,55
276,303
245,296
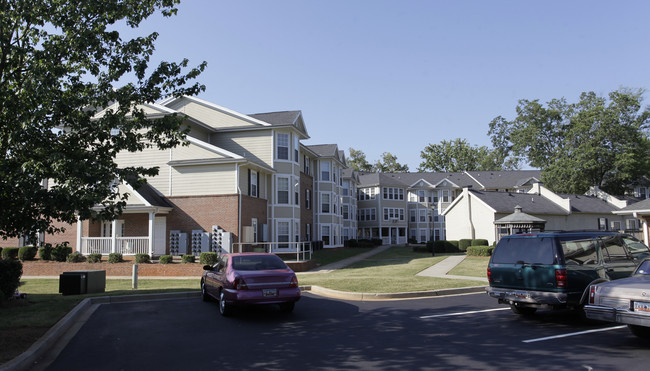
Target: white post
x,y
134,277
151,229
79,234
646,238
114,235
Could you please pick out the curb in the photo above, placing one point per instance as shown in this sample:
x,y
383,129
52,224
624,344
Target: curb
x,y
322,291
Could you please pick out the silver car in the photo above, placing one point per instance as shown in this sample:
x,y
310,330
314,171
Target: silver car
x,y
626,300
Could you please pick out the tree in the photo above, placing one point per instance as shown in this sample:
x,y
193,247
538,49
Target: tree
x,y
389,164
459,155
595,142
60,63
357,160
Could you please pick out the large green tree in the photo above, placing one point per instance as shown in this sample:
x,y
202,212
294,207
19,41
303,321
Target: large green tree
x,y
388,164
597,141
60,63
357,160
459,155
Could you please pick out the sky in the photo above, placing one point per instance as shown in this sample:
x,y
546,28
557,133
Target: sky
x,y
395,76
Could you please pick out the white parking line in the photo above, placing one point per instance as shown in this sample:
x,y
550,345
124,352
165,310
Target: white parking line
x,y
463,313
573,334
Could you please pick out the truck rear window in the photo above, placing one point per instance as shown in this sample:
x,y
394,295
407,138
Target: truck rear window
x,y
579,251
524,250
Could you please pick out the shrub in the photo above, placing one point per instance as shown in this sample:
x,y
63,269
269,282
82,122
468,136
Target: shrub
x,y
115,257
376,241
61,251
75,257
480,250
352,243
188,259
94,258
208,258
165,259
480,242
412,240
142,258
452,246
10,253
10,272
45,252
27,253
464,243
366,243
421,248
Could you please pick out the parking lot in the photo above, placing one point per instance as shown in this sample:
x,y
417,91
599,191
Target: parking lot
x,y
465,331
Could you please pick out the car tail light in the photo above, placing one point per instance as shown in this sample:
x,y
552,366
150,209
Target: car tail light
x,y
489,274
592,294
240,284
294,282
560,278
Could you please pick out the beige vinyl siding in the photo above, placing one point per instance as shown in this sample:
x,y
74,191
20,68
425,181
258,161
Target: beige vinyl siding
x,y
193,152
210,116
199,133
204,180
149,157
254,145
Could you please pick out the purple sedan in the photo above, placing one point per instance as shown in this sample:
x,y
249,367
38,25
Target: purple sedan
x,y
250,278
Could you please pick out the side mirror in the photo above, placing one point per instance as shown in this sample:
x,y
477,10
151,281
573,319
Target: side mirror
x,y
207,267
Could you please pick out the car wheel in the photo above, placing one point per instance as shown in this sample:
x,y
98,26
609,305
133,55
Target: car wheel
x,y
204,292
640,331
287,307
524,311
224,308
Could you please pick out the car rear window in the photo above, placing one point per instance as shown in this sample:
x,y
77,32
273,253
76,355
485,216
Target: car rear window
x,y
579,250
635,245
524,250
257,263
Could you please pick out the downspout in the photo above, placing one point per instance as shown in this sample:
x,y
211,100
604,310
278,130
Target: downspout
x,y
472,231
239,196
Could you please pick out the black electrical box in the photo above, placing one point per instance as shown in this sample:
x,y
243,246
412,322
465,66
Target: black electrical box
x,y
82,282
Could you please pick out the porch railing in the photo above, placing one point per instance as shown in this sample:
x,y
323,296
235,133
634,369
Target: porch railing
x,y
302,250
123,245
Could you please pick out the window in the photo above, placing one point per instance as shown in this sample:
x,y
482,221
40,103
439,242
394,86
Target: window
x,y
423,235
423,215
602,224
393,214
616,226
412,216
297,196
367,214
325,202
444,195
325,235
346,188
325,171
296,158
283,234
421,196
367,193
391,193
307,162
307,232
413,197
436,235
253,186
283,146
308,198
632,224
346,213
283,190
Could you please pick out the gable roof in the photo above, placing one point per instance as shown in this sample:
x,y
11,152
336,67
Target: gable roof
x,y
283,119
325,150
505,202
504,179
588,204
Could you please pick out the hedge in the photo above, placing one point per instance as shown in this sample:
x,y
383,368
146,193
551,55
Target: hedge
x,y
75,257
27,253
115,257
480,250
480,242
45,252
188,259
165,259
10,272
60,252
464,243
142,258
10,253
208,258
94,258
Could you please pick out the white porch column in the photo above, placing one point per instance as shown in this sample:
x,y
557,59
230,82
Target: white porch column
x,y
114,235
79,234
151,232
646,238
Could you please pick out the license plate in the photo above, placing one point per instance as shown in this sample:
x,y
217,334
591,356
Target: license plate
x,y
642,307
270,292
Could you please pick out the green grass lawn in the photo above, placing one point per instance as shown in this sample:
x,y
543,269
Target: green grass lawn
x,y
475,266
388,272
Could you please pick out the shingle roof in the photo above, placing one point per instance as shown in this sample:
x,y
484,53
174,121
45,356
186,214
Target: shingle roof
x,y
505,202
588,204
278,118
641,205
324,150
505,179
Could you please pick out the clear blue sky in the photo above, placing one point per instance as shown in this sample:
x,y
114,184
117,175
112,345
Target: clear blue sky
x,y
395,76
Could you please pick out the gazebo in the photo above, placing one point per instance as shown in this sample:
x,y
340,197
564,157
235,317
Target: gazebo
x,y
518,222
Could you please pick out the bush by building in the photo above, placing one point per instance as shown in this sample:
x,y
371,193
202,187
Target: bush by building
x,y
208,258
94,258
115,257
10,272
165,259
61,251
142,258
188,259
10,253
75,257
45,252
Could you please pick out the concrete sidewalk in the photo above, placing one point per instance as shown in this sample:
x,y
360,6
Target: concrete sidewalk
x,y
441,269
351,260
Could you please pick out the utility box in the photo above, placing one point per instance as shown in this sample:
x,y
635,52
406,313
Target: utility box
x,y
82,282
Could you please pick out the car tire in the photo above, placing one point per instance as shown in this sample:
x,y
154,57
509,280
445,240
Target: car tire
x,y
287,307
204,293
224,307
640,331
524,311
